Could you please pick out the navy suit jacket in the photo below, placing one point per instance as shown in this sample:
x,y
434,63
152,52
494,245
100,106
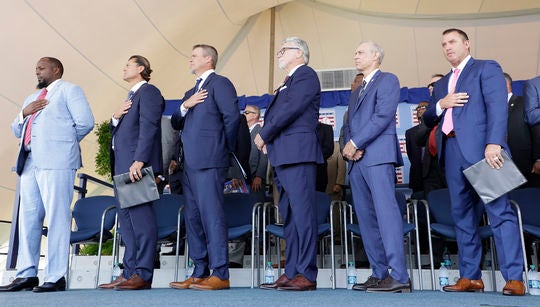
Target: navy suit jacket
x,y
371,122
137,137
482,120
531,92
210,128
290,121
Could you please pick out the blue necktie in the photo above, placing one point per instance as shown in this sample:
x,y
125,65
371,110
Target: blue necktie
x,y
130,94
197,84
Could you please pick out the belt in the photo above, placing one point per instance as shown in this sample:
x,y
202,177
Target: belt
x,y
451,134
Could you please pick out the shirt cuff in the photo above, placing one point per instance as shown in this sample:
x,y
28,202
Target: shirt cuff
x,y
115,121
352,142
183,110
20,117
439,109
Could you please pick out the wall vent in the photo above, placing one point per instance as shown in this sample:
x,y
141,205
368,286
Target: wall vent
x,y
336,79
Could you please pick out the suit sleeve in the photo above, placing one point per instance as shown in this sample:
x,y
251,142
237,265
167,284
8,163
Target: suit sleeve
x,y
151,108
495,96
326,140
535,137
80,111
303,89
387,99
532,101
227,104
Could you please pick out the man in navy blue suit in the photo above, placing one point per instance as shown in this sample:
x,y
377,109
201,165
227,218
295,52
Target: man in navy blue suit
x,y
209,118
136,143
371,146
470,103
289,136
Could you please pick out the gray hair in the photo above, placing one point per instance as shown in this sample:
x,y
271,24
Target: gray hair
x,y
300,43
375,48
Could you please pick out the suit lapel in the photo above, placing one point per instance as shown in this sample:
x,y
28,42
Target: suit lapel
x,y
463,76
369,87
287,83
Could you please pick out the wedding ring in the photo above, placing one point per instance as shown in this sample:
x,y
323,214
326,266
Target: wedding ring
x,y
495,158
134,173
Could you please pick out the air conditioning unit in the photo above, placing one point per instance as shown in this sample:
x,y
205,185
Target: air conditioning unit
x,y
336,79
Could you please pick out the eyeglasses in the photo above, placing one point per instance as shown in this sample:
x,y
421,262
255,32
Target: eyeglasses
x,y
421,107
249,112
432,84
282,50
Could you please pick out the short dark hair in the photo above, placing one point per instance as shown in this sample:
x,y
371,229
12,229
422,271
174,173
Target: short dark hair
x,y
437,75
142,61
507,77
459,31
209,51
56,62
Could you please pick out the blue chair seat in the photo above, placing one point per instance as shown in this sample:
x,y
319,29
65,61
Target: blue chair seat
x,y
82,235
355,228
533,230
449,231
237,232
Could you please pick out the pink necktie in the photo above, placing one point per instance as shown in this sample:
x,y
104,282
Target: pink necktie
x,y
448,123
28,131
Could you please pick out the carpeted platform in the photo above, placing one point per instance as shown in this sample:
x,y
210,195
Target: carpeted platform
x,y
257,297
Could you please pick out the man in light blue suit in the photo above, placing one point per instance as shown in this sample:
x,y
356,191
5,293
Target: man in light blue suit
x,y
470,103
209,118
51,124
289,136
371,146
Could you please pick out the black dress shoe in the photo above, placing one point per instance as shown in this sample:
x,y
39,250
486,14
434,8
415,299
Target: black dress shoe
x,y
370,282
390,285
60,285
19,284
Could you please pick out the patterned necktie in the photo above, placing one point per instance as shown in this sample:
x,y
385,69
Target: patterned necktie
x,y
362,89
448,123
130,94
28,131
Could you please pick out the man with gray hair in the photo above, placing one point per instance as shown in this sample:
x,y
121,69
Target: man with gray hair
x,y
289,137
371,146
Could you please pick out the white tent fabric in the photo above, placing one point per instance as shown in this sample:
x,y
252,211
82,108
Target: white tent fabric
x,y
94,39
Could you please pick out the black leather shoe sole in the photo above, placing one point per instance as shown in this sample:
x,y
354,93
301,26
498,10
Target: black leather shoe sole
x,y
21,284
60,285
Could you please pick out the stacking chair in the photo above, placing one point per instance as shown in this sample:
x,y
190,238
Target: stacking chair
x,y
325,229
438,205
94,219
168,210
525,202
409,225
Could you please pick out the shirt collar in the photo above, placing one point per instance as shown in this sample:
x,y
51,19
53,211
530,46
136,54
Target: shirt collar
x,y
52,85
205,75
294,69
370,76
138,85
462,64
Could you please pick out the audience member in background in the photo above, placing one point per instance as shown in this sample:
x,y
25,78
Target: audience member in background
x,y
210,117
258,161
470,103
415,154
532,114
50,125
520,137
371,146
325,135
136,143
434,79
289,135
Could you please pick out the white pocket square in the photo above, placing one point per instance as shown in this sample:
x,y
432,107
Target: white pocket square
x,y
282,88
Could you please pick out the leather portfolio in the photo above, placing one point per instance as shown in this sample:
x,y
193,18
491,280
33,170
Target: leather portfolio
x,y
130,194
491,183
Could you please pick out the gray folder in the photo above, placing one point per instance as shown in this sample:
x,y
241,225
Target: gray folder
x,y
491,183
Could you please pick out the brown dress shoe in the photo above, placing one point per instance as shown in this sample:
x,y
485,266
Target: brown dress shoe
x,y
279,282
466,285
135,282
299,283
211,283
186,283
120,279
514,288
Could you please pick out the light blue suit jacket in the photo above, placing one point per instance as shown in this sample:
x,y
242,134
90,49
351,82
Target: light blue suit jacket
x,y
482,120
57,129
371,123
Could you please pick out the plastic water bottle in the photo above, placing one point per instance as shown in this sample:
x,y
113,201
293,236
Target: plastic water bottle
x,y
269,273
447,259
351,275
443,276
116,271
534,280
189,269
